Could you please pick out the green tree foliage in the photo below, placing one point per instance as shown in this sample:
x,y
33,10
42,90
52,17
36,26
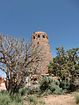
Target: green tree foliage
x,y
66,66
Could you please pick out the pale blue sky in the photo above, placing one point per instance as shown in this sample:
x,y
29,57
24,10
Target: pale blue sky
x,y
59,18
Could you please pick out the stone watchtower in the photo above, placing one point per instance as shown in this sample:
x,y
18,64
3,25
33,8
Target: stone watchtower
x,y
40,39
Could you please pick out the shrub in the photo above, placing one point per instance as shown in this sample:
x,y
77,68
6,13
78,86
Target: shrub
x,y
66,66
4,92
14,103
58,90
33,89
77,98
32,100
22,91
41,102
44,83
65,85
16,97
50,86
6,99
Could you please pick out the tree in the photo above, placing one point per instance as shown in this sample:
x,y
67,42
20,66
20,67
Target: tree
x,y
66,66
16,60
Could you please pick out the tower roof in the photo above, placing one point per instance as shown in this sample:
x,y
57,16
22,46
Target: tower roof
x,y
40,32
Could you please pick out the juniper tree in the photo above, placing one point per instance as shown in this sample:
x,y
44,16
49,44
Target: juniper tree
x,y
66,65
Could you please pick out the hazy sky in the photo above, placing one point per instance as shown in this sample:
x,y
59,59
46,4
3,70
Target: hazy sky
x,y
58,18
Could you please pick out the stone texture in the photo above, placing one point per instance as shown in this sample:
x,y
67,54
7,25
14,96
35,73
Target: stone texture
x,y
2,84
40,40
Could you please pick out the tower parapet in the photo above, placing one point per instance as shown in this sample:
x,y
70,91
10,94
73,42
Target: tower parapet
x,y
40,37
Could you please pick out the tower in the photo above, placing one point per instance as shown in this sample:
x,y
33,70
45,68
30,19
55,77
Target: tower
x,y
40,39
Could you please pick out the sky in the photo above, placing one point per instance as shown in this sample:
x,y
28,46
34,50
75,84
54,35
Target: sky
x,y
58,18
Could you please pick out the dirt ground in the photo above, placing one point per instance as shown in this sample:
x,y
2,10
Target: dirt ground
x,y
67,99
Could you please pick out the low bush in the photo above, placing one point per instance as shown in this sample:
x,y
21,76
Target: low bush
x,y
65,85
77,98
4,99
50,86
33,89
23,91
32,100
58,90
16,97
41,103
7,99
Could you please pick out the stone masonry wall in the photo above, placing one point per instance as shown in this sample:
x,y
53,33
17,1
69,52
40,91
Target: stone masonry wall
x,y
40,39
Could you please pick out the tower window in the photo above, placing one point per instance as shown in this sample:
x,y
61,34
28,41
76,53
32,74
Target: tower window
x,y
43,36
33,37
37,42
47,37
38,36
